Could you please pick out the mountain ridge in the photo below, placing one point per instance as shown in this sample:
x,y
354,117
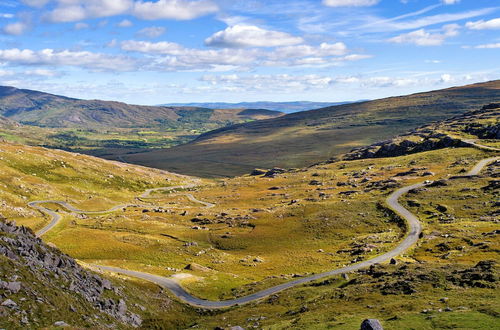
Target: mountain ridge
x,y
302,138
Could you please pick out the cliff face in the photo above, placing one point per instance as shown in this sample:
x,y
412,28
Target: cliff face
x,y
40,286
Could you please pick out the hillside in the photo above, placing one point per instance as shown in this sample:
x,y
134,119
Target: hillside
x,y
304,138
65,294
43,109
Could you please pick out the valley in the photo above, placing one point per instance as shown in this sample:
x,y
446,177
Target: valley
x,y
251,236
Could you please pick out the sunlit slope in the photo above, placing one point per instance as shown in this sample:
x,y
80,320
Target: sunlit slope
x,y
33,173
303,138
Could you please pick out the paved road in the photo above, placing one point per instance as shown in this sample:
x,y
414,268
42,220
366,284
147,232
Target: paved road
x,y
56,217
414,230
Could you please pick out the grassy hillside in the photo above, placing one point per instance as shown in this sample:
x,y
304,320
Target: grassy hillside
x,y
107,128
42,109
304,138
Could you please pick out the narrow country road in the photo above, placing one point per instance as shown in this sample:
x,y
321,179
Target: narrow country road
x,y
413,223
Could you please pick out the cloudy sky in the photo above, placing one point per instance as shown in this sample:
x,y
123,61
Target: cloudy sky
x,y
162,51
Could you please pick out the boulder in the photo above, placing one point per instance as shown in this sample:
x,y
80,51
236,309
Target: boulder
x,y
197,268
371,324
258,172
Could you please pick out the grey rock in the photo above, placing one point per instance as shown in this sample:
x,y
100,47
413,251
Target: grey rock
x,y
371,324
61,324
13,287
9,303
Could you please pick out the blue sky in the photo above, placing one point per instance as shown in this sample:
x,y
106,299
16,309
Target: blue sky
x,y
163,51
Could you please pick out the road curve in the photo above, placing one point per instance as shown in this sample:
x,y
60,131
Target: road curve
x,y
56,217
414,230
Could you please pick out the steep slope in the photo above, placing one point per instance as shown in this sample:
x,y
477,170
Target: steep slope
x,y
303,138
40,287
43,109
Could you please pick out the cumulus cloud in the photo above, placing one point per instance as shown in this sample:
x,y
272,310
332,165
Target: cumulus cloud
x,y
173,9
251,36
229,58
16,29
424,38
450,2
350,3
178,57
77,10
492,24
162,47
85,59
151,32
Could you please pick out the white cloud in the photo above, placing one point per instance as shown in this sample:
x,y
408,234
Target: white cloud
x,y
181,58
324,50
5,15
42,73
484,25
81,26
36,3
450,2
16,29
77,10
488,46
151,32
173,9
85,59
424,38
251,36
350,3
162,47
177,56
267,83
125,23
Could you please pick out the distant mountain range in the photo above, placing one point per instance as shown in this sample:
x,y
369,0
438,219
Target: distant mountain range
x,y
43,109
286,107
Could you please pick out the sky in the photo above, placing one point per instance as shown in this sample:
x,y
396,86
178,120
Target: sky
x,y
165,51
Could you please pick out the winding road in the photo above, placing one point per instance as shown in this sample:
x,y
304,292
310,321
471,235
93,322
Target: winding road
x,y
413,223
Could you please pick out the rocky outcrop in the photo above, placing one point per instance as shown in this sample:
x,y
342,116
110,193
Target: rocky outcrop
x,y
482,123
28,252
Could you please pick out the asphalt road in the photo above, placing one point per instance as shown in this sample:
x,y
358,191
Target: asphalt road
x,y
414,230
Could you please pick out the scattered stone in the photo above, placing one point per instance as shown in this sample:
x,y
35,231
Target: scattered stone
x,y
393,261
61,324
315,183
274,172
